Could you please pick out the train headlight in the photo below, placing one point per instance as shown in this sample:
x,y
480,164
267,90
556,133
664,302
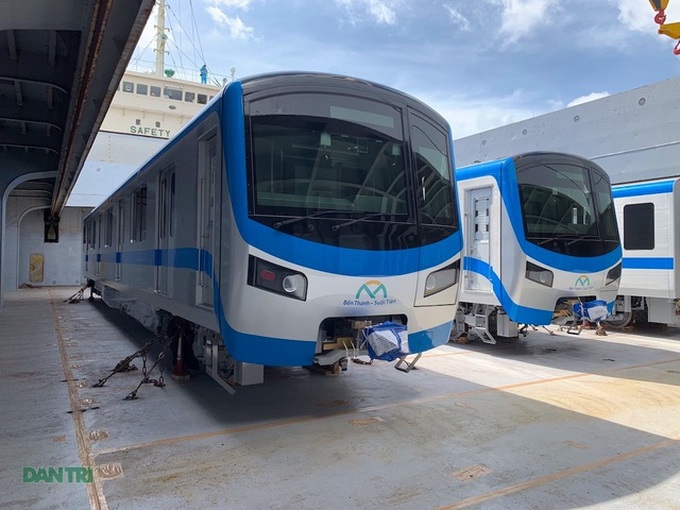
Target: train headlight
x,y
442,279
539,274
274,278
293,283
613,275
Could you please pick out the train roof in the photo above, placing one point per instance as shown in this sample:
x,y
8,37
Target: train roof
x,y
328,81
522,159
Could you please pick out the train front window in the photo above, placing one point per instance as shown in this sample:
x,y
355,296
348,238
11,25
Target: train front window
x,y
332,169
313,152
557,201
303,164
567,208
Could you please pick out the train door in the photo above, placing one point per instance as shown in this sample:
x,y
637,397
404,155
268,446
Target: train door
x,y
165,230
477,267
120,241
207,189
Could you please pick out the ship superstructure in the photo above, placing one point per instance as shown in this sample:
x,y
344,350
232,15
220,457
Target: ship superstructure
x,y
147,110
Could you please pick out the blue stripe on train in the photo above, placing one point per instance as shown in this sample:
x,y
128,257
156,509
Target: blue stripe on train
x,y
648,263
639,189
183,258
518,313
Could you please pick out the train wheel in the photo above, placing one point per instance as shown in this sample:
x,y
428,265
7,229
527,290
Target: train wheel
x,y
620,321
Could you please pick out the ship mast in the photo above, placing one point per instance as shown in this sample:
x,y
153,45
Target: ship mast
x,y
161,37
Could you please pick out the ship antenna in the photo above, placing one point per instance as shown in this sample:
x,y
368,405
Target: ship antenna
x,y
161,37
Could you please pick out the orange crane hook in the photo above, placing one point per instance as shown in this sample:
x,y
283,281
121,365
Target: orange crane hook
x,y
671,30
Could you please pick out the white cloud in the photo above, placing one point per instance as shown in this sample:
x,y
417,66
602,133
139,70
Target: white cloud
x,y
589,97
472,115
636,15
238,4
383,12
237,29
457,18
520,17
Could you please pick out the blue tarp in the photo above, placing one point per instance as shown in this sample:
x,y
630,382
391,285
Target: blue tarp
x,y
384,341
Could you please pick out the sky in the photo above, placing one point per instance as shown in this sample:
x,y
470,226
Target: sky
x,y
482,64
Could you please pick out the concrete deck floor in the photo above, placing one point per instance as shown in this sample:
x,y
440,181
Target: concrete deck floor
x,y
552,422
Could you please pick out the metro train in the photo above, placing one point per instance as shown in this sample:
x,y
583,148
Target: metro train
x,y
294,210
649,224
540,244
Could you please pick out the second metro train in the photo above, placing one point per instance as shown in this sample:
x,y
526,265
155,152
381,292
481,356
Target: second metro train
x,y
540,241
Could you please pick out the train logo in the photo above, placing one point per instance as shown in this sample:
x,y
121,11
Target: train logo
x,y
582,283
372,288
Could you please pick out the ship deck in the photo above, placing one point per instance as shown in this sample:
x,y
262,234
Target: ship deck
x,y
555,421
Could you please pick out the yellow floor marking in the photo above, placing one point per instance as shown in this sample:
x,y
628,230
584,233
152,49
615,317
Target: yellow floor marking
x,y
94,490
559,475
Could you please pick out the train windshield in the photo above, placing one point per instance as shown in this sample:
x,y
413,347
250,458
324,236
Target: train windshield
x,y
324,163
303,164
567,208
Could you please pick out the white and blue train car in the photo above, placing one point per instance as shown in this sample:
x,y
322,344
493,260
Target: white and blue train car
x,y
293,210
649,224
540,236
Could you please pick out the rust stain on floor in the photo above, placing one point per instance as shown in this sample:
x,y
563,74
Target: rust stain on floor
x,y
366,421
110,471
471,472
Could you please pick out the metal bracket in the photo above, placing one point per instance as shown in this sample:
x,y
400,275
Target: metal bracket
x,y
409,365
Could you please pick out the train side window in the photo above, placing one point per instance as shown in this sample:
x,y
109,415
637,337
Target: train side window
x,y
90,228
162,209
128,86
108,228
638,226
201,98
142,89
154,91
189,97
139,215
121,223
172,205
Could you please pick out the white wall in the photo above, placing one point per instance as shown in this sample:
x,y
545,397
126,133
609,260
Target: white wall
x,y
24,233
633,135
